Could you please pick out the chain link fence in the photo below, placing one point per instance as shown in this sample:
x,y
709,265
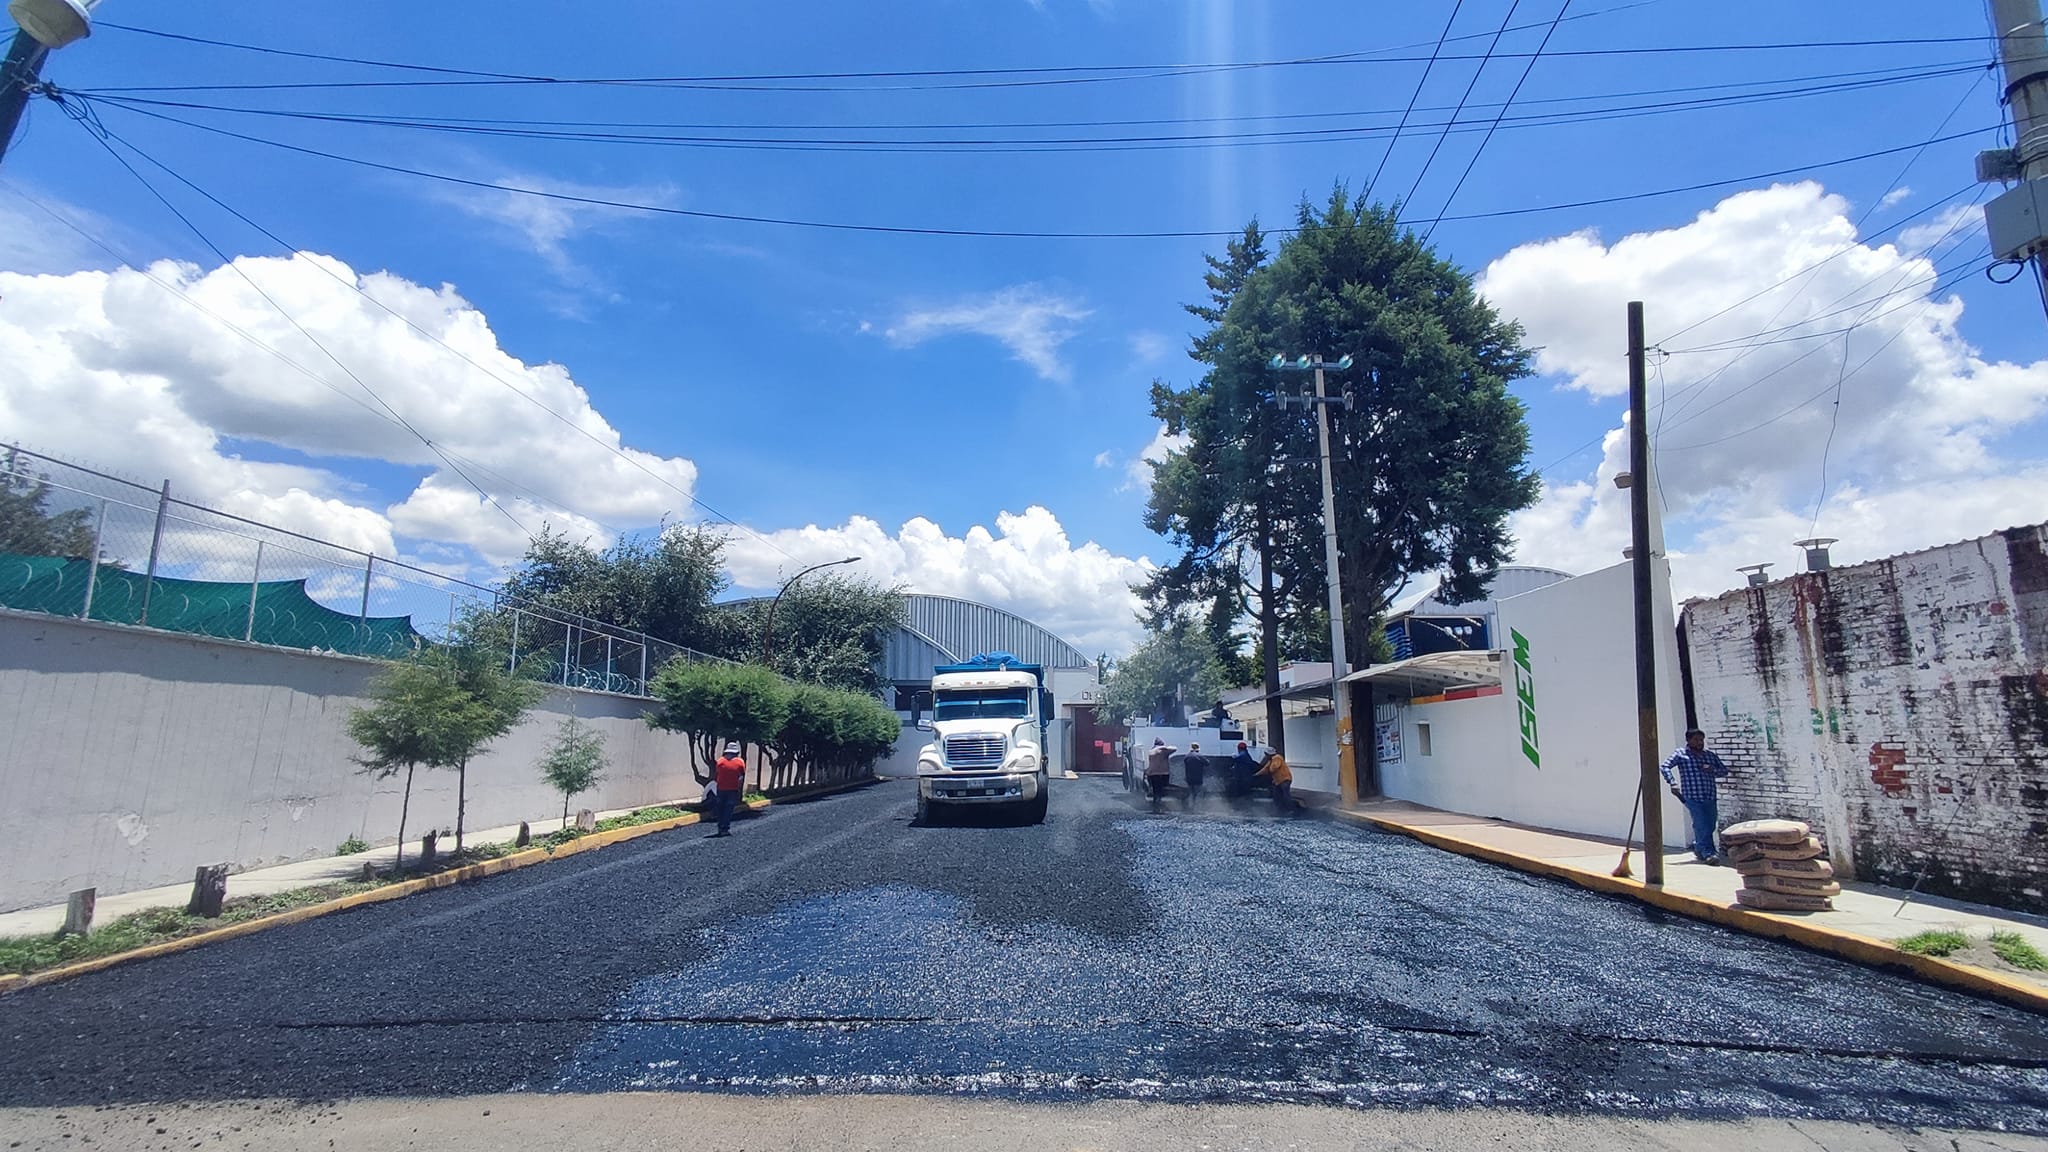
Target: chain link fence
x,y
85,544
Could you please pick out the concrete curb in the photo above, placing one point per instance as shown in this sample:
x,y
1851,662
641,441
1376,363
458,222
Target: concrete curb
x,y
1847,945
404,888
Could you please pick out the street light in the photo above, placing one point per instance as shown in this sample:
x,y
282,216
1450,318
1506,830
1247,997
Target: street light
x,y
768,630
1347,767
45,25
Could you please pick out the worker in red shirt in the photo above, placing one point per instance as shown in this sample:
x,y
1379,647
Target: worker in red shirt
x,y
728,777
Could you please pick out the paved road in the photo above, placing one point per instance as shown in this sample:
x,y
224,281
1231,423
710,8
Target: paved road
x,y
831,946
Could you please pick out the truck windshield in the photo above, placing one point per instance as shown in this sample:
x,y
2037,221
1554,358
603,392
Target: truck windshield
x,y
983,704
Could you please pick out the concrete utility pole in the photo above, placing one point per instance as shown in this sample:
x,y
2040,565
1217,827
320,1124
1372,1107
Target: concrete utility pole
x,y
1347,765
2017,220
1641,556
45,25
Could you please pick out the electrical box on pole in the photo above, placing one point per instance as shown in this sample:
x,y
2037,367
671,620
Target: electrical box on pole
x,y
2017,219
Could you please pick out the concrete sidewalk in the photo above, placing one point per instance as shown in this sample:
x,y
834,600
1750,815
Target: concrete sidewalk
x,y
1868,911
283,877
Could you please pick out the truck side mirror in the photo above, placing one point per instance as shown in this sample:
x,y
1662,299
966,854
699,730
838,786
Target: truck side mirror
x,y
919,701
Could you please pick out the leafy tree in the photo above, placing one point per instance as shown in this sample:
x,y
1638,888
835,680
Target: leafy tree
x,y
711,703
830,629
575,762
1177,662
830,733
27,526
501,698
664,586
419,715
1427,460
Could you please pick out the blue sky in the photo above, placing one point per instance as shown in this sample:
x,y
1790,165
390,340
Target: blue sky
x,y
793,377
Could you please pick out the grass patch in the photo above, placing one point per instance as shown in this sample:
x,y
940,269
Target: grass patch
x,y
22,955
1939,942
2014,949
351,846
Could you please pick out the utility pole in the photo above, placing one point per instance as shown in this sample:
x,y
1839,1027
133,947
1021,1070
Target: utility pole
x,y
1347,765
45,25
2017,219
1640,560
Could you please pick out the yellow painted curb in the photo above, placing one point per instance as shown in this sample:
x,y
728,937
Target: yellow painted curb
x,y
453,876
1848,945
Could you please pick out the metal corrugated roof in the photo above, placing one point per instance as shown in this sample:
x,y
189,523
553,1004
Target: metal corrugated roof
x,y
945,629
1435,672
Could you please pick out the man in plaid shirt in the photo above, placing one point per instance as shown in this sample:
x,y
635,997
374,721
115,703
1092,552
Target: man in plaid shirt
x,y
1691,772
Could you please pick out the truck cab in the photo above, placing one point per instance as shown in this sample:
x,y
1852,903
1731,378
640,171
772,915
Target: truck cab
x,y
989,719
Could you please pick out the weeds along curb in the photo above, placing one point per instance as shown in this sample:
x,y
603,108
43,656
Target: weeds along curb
x,y
1846,945
404,888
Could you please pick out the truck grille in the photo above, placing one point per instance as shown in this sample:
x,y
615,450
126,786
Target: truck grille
x,y
974,751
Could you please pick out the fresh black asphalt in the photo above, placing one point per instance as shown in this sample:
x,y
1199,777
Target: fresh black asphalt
x,y
834,946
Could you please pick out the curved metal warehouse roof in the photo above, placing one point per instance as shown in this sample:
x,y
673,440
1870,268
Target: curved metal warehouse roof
x,y
945,629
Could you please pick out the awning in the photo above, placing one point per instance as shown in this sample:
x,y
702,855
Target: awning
x,y
1435,673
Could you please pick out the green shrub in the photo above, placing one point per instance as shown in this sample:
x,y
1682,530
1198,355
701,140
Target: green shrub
x,y
351,846
2014,949
26,954
1939,942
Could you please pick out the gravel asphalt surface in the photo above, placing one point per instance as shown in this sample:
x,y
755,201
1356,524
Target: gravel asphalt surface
x,y
832,946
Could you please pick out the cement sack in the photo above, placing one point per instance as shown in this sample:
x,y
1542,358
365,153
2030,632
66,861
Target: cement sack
x,y
1807,849
1809,869
1766,832
1793,885
1781,901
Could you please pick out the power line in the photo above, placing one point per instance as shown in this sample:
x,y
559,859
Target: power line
x,y
102,137
409,322
907,230
1473,83
1043,77
1413,96
1495,126
1906,72
1020,144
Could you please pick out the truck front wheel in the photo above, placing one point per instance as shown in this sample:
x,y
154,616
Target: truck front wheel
x,y
1036,812
927,812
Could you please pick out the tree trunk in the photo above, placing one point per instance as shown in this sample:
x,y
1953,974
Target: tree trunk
x,y
1269,634
461,798
404,806
565,809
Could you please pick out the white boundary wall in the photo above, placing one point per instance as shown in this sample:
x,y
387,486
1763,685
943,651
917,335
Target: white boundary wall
x,y
1581,635
131,757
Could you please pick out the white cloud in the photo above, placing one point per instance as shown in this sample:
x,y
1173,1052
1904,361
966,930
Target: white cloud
x,y
1911,463
1895,196
547,226
1138,473
1105,459
1149,347
34,244
1949,227
1027,565
115,352
1027,319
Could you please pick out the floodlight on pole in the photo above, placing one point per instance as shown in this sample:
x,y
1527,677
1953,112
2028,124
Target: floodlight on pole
x,y
768,630
44,25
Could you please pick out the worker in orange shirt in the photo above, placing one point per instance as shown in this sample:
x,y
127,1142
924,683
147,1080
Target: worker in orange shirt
x,y
728,778
1276,770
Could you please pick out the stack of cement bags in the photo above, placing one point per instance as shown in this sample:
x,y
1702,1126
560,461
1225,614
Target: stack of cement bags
x,y
1783,866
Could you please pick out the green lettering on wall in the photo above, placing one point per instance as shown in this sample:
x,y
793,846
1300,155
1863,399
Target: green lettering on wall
x,y
1525,697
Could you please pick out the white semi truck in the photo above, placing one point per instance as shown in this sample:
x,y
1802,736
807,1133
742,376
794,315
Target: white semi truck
x,y
989,721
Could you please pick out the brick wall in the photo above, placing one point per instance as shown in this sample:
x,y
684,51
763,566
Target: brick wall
x,y
1900,706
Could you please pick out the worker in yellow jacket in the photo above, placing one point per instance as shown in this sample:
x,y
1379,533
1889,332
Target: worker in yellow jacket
x,y
1275,769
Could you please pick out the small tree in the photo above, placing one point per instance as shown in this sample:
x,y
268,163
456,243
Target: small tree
x,y
501,698
714,703
418,715
575,762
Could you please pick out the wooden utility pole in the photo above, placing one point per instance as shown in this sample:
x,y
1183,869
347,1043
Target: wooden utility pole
x,y
1640,560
